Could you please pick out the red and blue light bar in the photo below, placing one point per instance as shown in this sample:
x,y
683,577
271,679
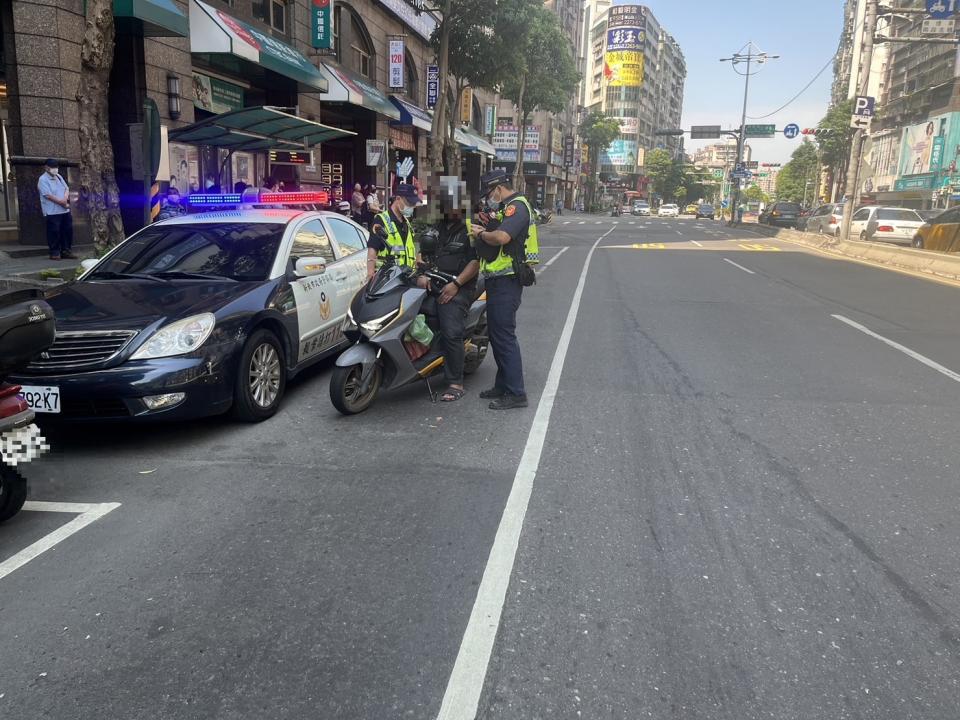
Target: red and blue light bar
x,y
258,197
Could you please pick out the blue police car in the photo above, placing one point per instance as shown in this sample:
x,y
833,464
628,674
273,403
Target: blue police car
x,y
201,314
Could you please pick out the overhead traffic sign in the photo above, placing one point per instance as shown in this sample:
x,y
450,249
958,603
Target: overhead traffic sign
x,y
705,132
931,26
791,131
941,9
760,131
864,105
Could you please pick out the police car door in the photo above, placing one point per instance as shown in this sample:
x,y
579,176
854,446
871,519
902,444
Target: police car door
x,y
351,271
319,324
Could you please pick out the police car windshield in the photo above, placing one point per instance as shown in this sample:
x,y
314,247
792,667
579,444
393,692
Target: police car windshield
x,y
229,251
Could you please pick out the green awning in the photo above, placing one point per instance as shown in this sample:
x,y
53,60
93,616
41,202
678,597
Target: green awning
x,y
160,18
214,32
347,86
254,129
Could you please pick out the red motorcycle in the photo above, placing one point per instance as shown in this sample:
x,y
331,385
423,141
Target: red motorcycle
x,y
27,328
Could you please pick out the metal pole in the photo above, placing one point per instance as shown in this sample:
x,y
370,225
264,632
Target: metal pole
x,y
856,148
741,139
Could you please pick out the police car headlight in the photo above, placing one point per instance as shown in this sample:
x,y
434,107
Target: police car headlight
x,y
177,338
377,324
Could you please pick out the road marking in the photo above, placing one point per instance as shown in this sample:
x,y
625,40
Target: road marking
x,y
649,246
633,222
552,260
581,222
679,232
566,222
759,247
86,514
462,696
598,222
902,348
696,243
739,266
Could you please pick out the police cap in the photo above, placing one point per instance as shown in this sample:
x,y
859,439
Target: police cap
x,y
493,178
408,192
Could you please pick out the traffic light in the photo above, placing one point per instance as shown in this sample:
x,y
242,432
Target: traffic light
x,y
818,132
770,165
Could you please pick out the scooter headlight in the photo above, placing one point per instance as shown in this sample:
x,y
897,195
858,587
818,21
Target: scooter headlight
x,y
377,324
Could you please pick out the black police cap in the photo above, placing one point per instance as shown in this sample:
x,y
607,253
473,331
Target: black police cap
x,y
493,178
408,192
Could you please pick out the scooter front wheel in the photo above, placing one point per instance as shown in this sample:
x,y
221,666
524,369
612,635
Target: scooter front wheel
x,y
345,389
13,492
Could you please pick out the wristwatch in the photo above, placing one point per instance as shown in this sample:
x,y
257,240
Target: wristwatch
x,y
457,283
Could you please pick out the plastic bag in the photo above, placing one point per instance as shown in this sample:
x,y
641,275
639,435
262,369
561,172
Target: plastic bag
x,y
420,331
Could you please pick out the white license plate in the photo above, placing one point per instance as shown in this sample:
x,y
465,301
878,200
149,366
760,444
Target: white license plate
x,y
42,399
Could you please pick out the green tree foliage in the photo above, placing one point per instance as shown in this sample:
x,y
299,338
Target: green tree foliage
x,y
755,194
666,174
597,131
835,145
793,177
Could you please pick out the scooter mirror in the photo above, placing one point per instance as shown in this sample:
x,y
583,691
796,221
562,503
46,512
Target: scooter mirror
x,y
308,266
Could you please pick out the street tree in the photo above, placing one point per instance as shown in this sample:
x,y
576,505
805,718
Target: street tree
x,y
597,132
755,194
665,172
544,76
98,181
834,145
793,178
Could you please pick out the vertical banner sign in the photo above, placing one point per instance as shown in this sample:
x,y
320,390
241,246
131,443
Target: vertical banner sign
x,y
320,35
466,105
568,147
396,63
489,119
623,68
433,85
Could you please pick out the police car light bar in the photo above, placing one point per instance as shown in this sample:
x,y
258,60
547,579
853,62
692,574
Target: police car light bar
x,y
255,197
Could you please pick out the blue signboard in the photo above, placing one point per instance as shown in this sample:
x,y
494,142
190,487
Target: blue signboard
x,y
433,85
625,38
791,131
941,9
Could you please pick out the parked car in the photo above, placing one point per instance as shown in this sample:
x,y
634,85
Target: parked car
x,y
890,224
705,210
668,210
783,214
691,209
942,233
929,215
804,215
640,207
825,219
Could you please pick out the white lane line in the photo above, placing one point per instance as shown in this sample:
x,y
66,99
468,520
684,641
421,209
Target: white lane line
x,y
739,266
581,222
696,243
87,513
470,669
552,260
679,233
902,348
598,222
566,222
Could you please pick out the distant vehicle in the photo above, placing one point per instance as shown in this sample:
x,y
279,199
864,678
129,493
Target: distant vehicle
x,y
705,210
825,219
897,225
941,233
691,209
640,207
668,210
783,214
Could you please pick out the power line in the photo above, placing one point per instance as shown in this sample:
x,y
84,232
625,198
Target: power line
x,y
791,100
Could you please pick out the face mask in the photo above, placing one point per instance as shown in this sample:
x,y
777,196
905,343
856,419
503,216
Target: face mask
x,y
407,212
53,171
492,203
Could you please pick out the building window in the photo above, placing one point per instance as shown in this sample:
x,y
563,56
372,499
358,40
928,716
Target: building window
x,y
361,49
272,12
410,85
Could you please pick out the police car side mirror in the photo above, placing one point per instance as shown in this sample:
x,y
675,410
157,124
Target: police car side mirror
x,y
308,266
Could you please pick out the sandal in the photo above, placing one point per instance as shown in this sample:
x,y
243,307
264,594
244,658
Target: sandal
x,y
452,394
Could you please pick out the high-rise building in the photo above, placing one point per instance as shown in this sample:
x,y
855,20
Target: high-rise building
x,y
720,154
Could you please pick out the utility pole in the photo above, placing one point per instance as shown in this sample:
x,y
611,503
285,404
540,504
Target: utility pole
x,y
860,136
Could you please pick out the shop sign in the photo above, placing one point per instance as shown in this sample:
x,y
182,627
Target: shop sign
x,y
396,63
511,155
417,18
320,35
489,119
568,151
936,154
628,125
287,157
401,138
215,95
626,16
914,183
505,137
433,85
623,68
466,105
376,149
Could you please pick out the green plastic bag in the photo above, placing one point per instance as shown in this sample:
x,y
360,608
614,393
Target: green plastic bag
x,y
420,331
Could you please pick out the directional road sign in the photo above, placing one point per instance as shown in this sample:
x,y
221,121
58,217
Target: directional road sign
x,y
931,26
864,105
758,131
941,9
791,131
860,122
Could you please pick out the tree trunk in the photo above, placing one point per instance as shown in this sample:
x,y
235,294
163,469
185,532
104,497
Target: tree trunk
x,y
452,152
438,131
518,183
98,181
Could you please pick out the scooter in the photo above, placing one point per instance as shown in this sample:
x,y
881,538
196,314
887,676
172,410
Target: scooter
x,y
377,322
27,328
542,217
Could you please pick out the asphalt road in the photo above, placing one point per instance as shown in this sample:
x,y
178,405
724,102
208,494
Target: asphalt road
x,y
745,507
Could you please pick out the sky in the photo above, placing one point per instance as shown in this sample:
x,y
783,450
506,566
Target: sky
x,y
805,34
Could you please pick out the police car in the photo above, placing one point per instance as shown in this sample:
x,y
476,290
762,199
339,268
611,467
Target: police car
x,y
203,313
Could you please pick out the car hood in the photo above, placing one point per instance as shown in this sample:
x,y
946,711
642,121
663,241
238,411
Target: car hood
x,y
135,304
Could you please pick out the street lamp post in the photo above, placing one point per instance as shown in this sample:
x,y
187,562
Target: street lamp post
x,y
749,54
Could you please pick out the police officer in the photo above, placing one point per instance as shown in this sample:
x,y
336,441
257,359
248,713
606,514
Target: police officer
x,y
391,234
452,253
500,243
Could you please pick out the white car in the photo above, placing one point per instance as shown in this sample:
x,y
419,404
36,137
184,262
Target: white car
x,y
886,224
641,208
669,210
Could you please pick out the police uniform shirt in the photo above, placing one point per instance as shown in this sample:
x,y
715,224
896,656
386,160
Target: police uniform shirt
x,y
516,219
377,243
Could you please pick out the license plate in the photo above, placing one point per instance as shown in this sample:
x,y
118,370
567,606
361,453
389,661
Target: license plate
x,y
42,399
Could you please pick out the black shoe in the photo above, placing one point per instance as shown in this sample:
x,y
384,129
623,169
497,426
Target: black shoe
x,y
508,402
67,255
493,392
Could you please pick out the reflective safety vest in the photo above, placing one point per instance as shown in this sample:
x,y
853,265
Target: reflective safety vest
x,y
403,251
502,265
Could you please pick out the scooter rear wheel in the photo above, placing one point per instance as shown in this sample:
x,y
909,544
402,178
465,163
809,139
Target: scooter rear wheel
x,y
345,389
13,492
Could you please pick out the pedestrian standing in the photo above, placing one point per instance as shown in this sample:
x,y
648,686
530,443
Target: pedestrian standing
x,y
503,246
55,204
391,236
356,203
559,205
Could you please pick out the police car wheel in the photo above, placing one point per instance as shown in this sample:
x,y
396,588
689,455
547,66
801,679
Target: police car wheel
x,y
13,492
261,378
345,389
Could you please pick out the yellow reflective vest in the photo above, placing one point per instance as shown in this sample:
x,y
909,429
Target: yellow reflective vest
x,y
402,249
502,265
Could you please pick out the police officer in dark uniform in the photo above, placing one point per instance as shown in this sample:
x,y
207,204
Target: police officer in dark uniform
x,y
499,242
452,252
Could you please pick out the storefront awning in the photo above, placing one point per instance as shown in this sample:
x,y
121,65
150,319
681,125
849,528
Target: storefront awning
x,y
473,142
214,32
257,128
159,18
411,114
348,87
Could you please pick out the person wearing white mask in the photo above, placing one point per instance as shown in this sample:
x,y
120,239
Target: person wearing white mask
x,y
392,233
55,205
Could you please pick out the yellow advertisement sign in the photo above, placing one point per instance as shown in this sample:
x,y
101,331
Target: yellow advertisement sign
x,y
623,68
